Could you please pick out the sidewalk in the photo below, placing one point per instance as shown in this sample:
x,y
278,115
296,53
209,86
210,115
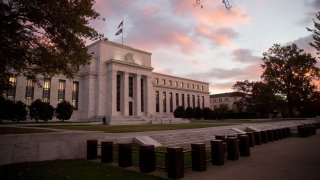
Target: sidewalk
x,y
292,158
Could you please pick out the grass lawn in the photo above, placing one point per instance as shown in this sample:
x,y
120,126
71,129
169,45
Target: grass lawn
x,y
17,130
135,128
70,170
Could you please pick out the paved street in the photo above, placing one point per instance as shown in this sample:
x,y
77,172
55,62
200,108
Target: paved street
x,y
292,158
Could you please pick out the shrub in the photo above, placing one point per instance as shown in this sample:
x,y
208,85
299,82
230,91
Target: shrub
x,y
20,111
41,111
189,113
64,110
179,112
6,109
207,112
198,113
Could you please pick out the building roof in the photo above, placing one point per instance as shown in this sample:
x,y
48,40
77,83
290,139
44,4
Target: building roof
x,y
228,94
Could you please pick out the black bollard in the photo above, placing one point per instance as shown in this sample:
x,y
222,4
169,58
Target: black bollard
x,y
264,137
92,149
279,134
257,138
232,148
106,152
124,155
147,158
275,134
199,160
224,145
244,146
251,139
217,152
270,135
175,165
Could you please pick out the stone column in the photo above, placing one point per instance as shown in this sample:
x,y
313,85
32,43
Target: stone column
x,y
149,98
137,92
125,95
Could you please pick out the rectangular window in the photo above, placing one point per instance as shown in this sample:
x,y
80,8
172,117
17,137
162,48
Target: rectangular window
x,y
171,102
46,91
193,101
188,100
177,100
163,81
198,99
118,91
130,86
202,102
182,84
75,94
61,90
164,102
157,80
142,95
11,92
176,83
188,85
182,99
29,92
157,101
170,82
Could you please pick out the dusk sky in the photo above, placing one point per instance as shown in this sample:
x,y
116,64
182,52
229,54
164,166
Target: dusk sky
x,y
208,44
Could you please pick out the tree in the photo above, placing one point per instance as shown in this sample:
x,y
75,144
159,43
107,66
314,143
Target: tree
x,y
6,109
198,114
316,33
179,112
226,3
189,113
290,72
64,110
20,111
41,111
44,37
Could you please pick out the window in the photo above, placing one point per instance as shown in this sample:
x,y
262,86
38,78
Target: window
x,y
157,80
75,94
201,87
187,85
176,83
193,101
29,92
130,86
198,87
188,100
171,103
182,84
142,95
177,100
202,102
192,86
11,92
163,81
46,91
157,101
164,102
182,99
61,90
118,92
170,82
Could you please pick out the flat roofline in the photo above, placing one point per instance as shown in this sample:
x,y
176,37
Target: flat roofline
x,y
105,40
180,78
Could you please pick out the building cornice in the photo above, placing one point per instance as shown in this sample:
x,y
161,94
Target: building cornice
x,y
179,89
129,64
176,77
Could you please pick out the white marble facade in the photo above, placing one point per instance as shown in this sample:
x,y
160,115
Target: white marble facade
x,y
120,84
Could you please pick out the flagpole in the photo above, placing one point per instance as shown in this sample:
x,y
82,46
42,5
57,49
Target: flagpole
x,y
122,31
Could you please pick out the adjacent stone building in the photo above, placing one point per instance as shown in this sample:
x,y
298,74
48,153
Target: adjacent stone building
x,y
119,84
226,99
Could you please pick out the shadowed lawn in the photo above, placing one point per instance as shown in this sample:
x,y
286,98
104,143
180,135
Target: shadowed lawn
x,y
17,130
135,128
80,170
